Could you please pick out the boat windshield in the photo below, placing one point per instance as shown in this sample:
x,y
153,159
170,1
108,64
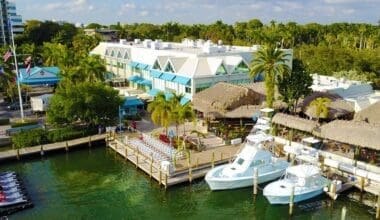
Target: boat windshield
x,y
291,177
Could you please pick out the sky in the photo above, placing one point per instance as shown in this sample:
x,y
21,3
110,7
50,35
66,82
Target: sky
x,y
200,11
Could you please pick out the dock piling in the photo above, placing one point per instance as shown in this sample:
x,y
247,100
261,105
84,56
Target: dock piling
x,y
42,150
89,141
160,178
190,174
221,156
343,215
151,169
362,181
166,180
378,207
333,190
67,146
291,202
137,158
255,182
212,159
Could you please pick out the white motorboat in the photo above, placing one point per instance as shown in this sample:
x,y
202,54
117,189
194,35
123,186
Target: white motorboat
x,y
240,173
306,179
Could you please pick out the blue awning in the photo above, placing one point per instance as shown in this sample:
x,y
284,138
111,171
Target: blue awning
x,y
167,76
153,92
184,100
132,102
133,64
145,82
168,95
181,80
143,66
135,79
155,73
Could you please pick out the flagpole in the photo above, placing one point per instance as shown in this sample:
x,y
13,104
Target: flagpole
x,y
17,73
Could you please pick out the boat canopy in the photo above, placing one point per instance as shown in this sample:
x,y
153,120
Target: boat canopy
x,y
259,137
303,170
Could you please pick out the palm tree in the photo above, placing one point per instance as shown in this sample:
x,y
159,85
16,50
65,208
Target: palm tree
x,y
93,68
161,111
271,62
321,107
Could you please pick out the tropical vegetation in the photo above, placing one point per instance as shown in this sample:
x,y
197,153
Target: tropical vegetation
x,y
273,63
321,105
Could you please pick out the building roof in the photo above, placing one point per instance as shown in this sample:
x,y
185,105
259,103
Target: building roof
x,y
370,114
294,122
356,133
39,75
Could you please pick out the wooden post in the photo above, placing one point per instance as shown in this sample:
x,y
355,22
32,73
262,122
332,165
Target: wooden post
x,y
212,159
343,215
67,146
89,141
159,181
378,207
255,180
126,152
333,190
151,170
197,162
115,145
221,156
137,158
166,180
42,150
190,174
362,181
291,202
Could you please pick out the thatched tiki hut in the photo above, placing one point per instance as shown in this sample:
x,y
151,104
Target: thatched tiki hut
x,y
370,114
225,100
293,123
357,134
337,108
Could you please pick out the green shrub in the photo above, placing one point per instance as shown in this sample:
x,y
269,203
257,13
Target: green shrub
x,y
4,121
24,123
29,138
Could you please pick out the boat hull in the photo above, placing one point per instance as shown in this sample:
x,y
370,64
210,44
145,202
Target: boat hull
x,y
297,198
222,183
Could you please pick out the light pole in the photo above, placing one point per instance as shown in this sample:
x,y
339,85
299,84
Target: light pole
x,y
16,68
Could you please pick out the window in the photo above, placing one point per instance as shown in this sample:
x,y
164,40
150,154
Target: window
x,y
169,68
221,70
241,68
126,55
188,89
240,161
119,54
156,66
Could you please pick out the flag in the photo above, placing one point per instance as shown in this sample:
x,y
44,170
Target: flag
x,y
7,55
28,68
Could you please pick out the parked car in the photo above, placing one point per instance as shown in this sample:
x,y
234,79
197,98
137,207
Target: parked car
x,y
16,106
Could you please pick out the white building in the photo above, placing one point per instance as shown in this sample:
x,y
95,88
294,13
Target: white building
x,y
361,94
8,12
183,68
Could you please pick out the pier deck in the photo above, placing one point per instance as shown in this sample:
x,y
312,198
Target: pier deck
x,y
200,163
10,154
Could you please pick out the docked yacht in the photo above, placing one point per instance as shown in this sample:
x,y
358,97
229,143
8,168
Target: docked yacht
x,y
306,179
240,173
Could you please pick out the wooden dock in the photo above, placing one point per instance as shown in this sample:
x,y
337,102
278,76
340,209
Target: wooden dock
x,y
200,163
12,154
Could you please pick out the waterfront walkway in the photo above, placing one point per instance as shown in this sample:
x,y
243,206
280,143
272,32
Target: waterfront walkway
x,y
185,171
11,154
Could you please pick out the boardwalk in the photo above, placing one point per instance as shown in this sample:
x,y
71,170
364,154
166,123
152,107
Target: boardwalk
x,y
200,163
10,154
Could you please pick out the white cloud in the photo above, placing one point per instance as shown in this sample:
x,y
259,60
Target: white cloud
x,y
144,13
277,9
91,7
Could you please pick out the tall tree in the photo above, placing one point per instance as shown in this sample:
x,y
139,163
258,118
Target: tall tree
x,y
321,107
294,85
160,110
270,61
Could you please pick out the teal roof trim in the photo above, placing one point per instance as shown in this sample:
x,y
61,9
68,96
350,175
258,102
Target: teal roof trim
x,y
181,80
155,73
135,79
167,76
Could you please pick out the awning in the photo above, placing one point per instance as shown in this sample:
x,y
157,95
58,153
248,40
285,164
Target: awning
x,y
184,100
135,79
153,92
155,73
132,102
167,76
145,82
133,64
168,95
181,80
143,66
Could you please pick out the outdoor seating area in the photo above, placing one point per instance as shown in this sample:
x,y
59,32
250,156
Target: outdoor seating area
x,y
150,146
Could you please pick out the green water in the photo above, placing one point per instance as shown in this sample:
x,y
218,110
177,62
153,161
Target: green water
x,y
97,184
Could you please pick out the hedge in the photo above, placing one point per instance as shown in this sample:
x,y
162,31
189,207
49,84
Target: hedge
x,y
24,123
39,136
4,121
